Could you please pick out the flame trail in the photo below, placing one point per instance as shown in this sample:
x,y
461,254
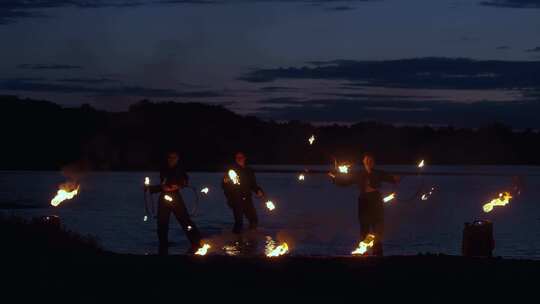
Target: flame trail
x,y
234,177
389,197
271,250
203,250
364,245
66,192
502,200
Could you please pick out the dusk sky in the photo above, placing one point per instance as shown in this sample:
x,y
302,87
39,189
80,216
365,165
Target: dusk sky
x,y
318,61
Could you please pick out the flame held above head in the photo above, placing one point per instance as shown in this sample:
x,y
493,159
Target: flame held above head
x,y
364,245
502,200
311,140
421,164
301,177
234,177
344,169
427,195
270,205
168,198
271,250
203,250
389,197
147,181
205,190
66,192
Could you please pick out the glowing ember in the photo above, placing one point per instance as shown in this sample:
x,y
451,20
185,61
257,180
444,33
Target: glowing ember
x,y
168,198
66,192
234,177
301,177
344,169
364,245
389,197
205,190
421,164
270,205
502,200
271,250
147,181
311,140
203,250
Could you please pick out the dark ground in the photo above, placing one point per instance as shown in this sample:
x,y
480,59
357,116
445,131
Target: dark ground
x,y
51,265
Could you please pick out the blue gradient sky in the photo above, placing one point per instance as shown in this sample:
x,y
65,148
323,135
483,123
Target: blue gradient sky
x,y
112,56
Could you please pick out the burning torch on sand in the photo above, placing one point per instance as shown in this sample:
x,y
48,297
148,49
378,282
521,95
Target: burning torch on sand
x,y
364,245
66,191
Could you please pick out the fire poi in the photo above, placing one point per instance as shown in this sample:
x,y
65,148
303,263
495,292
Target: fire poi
x,y
205,190
67,191
301,177
234,177
344,169
271,250
270,205
203,250
168,198
364,245
421,164
502,200
311,140
389,197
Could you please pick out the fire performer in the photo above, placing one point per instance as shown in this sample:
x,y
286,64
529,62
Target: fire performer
x,y
173,178
238,183
370,202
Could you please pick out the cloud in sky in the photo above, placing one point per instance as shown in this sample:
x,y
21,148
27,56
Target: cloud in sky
x,y
27,66
534,50
513,3
429,73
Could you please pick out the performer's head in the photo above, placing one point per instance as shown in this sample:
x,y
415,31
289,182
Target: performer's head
x,y
369,161
172,159
240,159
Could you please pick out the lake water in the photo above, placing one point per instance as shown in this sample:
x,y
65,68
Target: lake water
x,y
314,216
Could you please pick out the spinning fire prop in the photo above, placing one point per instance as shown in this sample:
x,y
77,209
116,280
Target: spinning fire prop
x,y
270,205
205,190
502,200
421,164
272,251
147,181
234,177
203,250
344,169
311,140
168,198
301,177
364,245
389,197
67,191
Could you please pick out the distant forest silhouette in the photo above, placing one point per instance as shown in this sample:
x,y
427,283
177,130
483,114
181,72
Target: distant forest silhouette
x,y
41,135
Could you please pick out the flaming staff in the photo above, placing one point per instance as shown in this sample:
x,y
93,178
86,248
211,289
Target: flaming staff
x,y
271,250
364,245
502,200
203,250
67,191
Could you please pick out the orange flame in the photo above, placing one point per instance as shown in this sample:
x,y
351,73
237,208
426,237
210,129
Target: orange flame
x,y
364,245
234,177
502,200
203,250
66,192
271,250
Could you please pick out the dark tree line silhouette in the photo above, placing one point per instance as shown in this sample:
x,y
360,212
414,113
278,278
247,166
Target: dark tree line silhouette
x,y
40,135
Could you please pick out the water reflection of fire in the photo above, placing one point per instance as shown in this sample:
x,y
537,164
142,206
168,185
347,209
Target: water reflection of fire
x,y
364,245
271,250
67,191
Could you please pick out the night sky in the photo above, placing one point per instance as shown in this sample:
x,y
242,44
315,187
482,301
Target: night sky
x,y
414,62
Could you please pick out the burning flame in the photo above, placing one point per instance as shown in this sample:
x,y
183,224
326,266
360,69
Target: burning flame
x,y
270,205
426,196
203,250
421,164
311,140
301,177
234,177
364,245
344,169
272,251
168,198
66,192
205,190
502,200
389,197
147,181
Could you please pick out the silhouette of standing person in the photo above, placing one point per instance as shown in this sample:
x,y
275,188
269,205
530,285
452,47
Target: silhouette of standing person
x,y
173,178
370,203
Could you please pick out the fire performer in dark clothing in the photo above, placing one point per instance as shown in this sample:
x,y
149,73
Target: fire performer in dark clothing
x,y
370,202
173,178
238,183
